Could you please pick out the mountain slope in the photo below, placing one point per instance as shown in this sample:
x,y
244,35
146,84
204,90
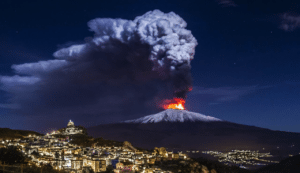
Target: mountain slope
x,y
166,129
173,115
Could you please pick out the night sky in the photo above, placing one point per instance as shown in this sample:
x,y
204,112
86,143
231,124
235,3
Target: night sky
x,y
245,68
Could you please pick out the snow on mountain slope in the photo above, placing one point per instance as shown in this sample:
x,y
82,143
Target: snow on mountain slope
x,y
173,115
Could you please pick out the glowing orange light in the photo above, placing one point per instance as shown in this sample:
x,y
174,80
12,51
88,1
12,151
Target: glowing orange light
x,y
176,103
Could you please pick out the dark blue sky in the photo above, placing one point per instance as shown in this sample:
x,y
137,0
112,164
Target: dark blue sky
x,y
245,69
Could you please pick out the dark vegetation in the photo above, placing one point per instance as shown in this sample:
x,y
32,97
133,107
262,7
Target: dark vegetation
x,y
11,155
84,140
88,141
109,169
47,168
6,133
33,169
35,154
144,150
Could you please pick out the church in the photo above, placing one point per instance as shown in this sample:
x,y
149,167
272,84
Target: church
x,y
71,129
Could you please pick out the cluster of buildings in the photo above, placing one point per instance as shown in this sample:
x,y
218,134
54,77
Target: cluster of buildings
x,y
241,157
71,129
61,154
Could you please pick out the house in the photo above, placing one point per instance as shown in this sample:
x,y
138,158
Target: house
x,y
151,161
119,165
175,156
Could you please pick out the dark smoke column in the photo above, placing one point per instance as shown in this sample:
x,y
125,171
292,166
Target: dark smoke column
x,y
157,37
126,68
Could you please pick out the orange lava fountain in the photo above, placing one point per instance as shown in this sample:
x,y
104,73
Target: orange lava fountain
x,y
176,103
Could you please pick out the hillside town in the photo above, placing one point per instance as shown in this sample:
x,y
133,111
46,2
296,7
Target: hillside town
x,y
242,157
56,148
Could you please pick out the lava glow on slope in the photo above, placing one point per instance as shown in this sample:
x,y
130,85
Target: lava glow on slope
x,y
176,103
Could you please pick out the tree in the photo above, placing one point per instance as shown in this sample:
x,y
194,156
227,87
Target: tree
x,y
11,155
35,153
63,155
109,169
47,168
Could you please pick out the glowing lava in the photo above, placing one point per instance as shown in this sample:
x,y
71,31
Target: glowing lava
x,y
176,103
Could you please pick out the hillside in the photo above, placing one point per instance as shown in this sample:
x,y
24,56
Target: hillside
x,y
88,141
290,165
180,130
196,135
174,115
6,133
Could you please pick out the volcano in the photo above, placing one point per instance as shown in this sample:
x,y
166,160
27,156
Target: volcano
x,y
173,115
185,130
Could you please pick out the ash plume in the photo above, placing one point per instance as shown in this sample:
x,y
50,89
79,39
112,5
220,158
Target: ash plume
x,y
125,68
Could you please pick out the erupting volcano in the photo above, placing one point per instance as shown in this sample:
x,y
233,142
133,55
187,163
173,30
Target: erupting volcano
x,y
176,103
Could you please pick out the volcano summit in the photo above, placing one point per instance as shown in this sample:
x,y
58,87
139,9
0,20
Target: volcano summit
x,y
173,115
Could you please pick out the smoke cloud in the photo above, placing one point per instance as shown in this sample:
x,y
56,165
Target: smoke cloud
x,y
289,22
126,68
226,3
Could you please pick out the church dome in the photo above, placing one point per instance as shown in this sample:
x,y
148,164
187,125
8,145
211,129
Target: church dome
x,y
71,123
